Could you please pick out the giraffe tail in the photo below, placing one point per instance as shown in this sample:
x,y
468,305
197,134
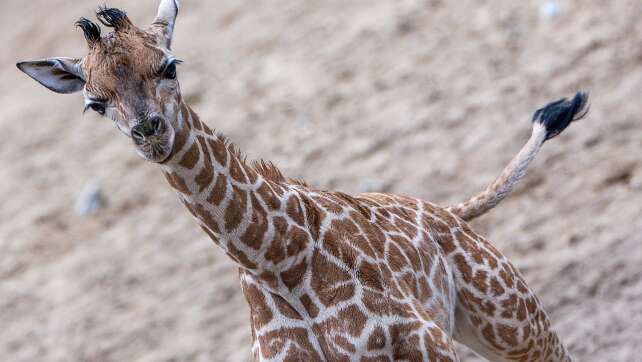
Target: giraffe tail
x,y
548,122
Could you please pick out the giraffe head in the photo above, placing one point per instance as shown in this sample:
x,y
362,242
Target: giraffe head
x,y
128,75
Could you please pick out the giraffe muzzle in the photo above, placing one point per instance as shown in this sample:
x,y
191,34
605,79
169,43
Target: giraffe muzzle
x,y
154,126
154,138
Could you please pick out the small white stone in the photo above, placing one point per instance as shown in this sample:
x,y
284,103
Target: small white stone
x,y
90,200
550,10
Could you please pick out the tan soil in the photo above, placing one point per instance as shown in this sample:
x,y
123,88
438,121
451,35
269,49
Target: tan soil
x,y
423,98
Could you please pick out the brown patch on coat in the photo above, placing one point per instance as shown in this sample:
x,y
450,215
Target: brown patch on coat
x,y
324,275
240,257
196,122
377,339
465,269
294,210
344,343
296,240
261,312
285,308
236,170
309,306
354,319
509,306
328,204
370,276
205,216
273,343
376,303
404,347
180,139
496,287
396,260
219,150
255,231
270,279
294,276
177,182
276,251
236,209
206,175
269,196
191,157
340,249
218,191
479,281
508,334
313,216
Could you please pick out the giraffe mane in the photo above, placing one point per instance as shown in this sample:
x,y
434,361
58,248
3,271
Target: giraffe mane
x,y
266,169
272,173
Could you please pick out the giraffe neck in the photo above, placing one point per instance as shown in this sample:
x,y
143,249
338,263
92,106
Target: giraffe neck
x,y
233,202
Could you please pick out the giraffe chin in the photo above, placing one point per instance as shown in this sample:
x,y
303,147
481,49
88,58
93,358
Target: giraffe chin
x,y
156,148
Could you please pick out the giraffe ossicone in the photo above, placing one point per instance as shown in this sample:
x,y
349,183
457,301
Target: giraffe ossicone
x,y
327,276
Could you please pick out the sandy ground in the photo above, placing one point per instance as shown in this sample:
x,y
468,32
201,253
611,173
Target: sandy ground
x,y
423,98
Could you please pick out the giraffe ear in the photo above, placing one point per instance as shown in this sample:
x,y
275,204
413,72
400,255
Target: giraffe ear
x,y
165,19
61,75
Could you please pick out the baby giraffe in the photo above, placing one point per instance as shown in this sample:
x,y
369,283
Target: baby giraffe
x,y
327,276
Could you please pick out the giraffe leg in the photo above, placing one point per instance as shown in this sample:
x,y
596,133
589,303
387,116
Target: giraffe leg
x,y
427,343
497,314
278,331
436,350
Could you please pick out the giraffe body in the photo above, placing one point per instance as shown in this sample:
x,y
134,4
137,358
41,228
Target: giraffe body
x,y
371,277
327,276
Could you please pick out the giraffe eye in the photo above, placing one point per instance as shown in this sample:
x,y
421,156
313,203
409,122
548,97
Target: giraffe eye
x,y
170,71
97,107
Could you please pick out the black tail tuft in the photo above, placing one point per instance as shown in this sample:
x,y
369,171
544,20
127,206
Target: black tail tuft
x,y
558,115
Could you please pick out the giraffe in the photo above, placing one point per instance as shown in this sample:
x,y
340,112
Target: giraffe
x,y
327,275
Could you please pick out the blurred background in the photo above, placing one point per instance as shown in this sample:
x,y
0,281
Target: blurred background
x,y
429,98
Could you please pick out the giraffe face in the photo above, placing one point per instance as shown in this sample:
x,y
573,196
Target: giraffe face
x,y
128,75
131,78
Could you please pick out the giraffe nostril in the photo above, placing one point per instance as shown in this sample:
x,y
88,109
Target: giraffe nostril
x,y
149,127
138,133
156,125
